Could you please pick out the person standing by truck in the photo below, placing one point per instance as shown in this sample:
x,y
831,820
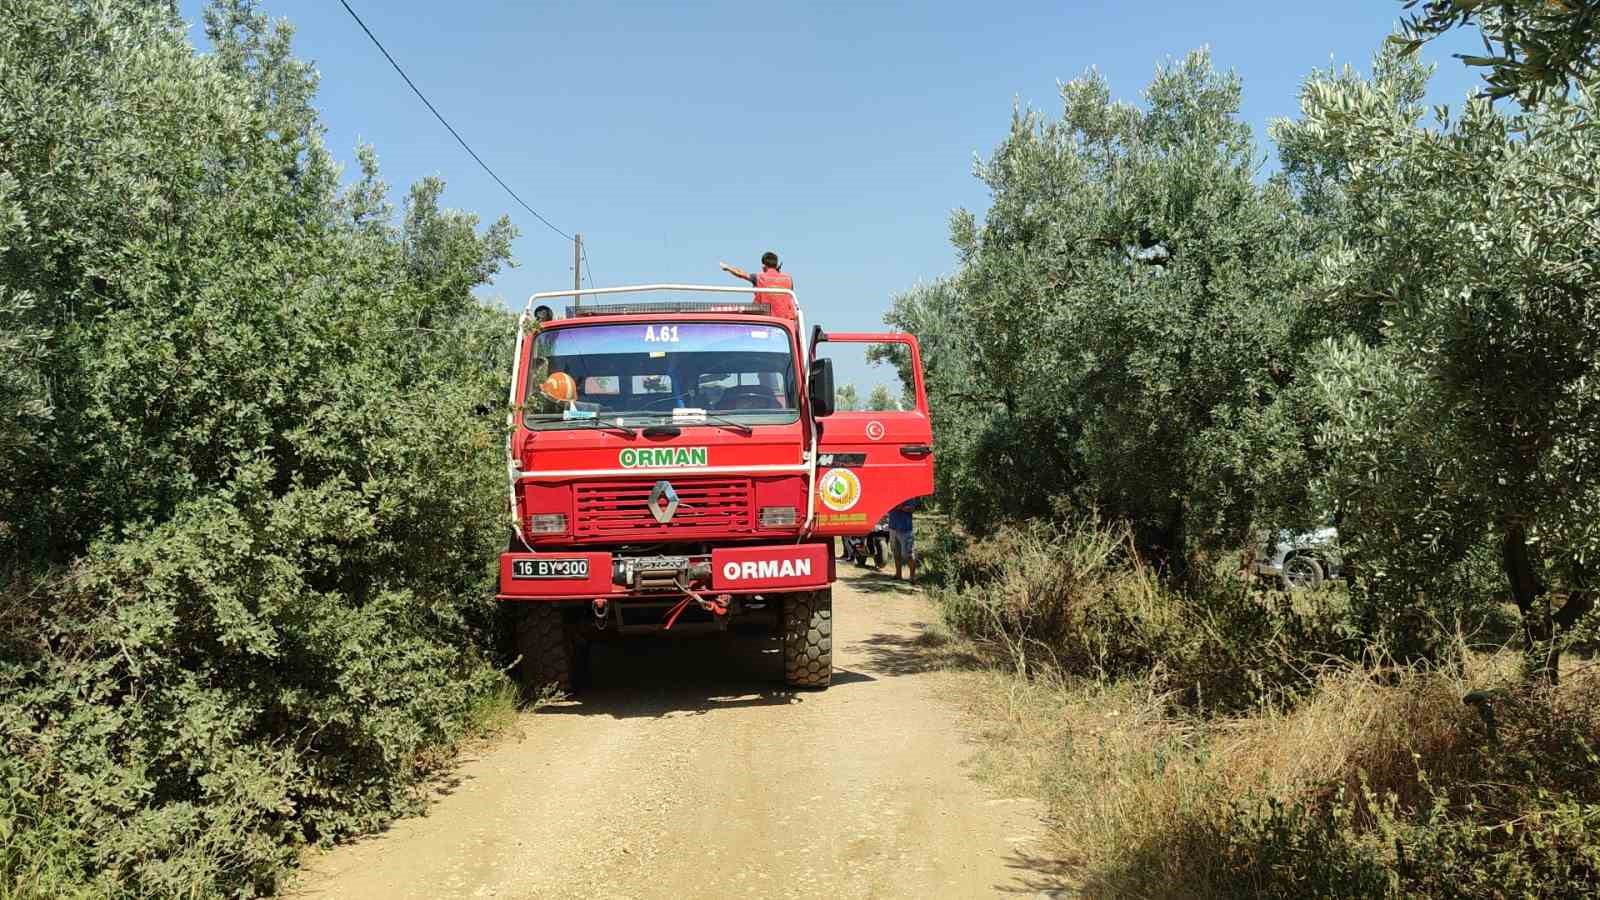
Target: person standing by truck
x,y
770,276
902,541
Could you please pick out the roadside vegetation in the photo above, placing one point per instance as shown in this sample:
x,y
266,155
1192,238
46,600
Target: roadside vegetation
x,y
1229,740
249,509
848,398
248,512
1393,332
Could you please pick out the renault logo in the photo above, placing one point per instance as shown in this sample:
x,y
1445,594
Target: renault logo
x,y
663,501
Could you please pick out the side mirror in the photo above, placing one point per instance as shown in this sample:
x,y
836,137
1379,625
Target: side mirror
x,y
821,387
817,337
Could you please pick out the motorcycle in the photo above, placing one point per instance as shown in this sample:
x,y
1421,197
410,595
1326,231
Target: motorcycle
x,y
870,550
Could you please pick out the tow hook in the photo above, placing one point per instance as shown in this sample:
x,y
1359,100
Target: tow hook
x,y
717,606
601,613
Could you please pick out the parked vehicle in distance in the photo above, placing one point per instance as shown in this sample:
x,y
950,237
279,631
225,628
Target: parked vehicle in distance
x,y
870,551
1301,561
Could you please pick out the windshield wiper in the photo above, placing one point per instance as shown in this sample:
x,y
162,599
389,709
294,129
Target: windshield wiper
x,y
600,422
702,417
724,421
595,422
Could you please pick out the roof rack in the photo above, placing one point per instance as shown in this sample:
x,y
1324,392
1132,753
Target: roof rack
x,y
669,306
651,288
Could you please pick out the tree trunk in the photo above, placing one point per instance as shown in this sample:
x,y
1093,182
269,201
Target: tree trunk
x,y
1176,549
1532,601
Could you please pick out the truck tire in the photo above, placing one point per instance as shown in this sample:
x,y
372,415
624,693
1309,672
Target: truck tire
x,y
808,639
547,650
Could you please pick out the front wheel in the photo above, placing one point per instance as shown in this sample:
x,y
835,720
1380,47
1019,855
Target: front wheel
x,y
808,639
549,655
1302,573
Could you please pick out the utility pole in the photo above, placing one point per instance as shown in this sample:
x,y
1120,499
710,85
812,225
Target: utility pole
x,y
577,267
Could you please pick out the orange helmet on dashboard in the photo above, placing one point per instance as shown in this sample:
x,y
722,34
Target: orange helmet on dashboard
x,y
560,387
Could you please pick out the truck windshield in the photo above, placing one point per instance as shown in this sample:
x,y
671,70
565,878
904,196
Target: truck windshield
x,y
651,372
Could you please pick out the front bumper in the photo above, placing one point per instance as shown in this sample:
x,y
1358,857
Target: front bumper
x,y
745,569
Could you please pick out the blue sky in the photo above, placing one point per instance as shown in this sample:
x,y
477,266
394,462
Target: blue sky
x,y
840,134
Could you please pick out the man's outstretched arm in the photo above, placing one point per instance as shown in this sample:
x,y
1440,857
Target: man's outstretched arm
x,y
737,272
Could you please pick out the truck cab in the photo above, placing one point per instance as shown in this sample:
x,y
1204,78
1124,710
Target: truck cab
x,y
678,466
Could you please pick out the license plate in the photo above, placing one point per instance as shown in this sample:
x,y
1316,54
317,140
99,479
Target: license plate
x,y
550,568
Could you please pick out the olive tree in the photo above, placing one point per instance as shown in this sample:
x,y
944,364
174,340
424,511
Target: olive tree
x,y
1471,408
1532,48
1123,315
971,430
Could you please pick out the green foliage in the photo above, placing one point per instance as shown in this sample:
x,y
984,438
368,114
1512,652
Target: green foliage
x,y
1392,329
974,439
880,398
1398,329
1121,324
1532,47
846,397
1461,404
1269,848
1525,824
249,508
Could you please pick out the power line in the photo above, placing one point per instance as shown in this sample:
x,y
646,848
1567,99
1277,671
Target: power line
x,y
451,129
586,266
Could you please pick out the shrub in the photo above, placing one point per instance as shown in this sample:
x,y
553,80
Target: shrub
x,y
249,510
1422,799
1078,598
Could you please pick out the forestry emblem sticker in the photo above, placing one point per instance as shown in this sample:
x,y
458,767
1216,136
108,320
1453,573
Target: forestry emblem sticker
x,y
840,489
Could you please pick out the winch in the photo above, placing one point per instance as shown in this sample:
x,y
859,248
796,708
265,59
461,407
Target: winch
x,y
659,573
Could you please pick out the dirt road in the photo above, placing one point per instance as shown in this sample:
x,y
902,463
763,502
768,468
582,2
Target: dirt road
x,y
688,771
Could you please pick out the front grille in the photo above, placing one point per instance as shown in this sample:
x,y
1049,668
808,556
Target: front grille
x,y
621,509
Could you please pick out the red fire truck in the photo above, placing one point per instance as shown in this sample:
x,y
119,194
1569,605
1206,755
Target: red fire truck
x,y
679,465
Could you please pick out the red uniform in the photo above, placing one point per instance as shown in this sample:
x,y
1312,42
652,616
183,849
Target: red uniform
x,y
782,304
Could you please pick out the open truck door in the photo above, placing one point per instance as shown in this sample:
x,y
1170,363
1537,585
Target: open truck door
x,y
869,462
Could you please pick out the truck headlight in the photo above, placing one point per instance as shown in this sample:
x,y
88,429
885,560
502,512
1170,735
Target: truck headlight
x,y
547,523
777,517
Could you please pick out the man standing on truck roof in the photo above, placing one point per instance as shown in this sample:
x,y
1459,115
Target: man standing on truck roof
x,y
770,276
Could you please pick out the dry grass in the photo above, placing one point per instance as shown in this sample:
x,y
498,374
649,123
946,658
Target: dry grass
x,y
1358,726
1139,794
1077,599
1227,742
1111,763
